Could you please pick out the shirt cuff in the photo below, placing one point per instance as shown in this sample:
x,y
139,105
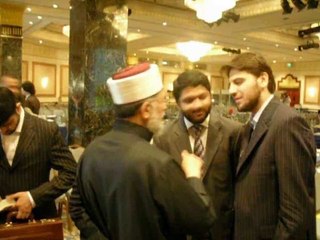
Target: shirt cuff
x,y
31,200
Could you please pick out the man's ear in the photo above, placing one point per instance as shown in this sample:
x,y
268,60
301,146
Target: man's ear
x,y
263,80
145,109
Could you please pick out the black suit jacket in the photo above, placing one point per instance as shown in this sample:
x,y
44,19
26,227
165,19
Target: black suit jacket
x,y
275,188
40,148
220,160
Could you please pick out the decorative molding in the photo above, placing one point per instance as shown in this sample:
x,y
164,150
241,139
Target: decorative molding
x,y
289,82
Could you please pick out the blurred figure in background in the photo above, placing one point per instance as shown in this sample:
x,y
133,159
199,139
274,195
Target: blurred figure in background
x,y
13,84
31,101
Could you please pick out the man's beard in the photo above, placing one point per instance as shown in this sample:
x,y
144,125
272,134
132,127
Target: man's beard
x,y
155,125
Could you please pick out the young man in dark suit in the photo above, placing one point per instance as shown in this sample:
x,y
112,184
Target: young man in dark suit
x,y
216,145
275,186
29,148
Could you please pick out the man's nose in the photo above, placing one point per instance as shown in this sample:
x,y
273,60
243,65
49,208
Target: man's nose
x,y
232,89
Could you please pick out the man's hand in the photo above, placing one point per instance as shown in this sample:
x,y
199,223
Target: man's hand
x,y
191,164
23,204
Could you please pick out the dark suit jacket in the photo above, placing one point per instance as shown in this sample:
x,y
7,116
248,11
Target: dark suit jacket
x,y
40,148
220,160
275,188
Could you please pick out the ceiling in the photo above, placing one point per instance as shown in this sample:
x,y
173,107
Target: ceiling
x,y
261,28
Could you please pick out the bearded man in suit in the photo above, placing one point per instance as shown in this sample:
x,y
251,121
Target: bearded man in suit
x,y
275,185
29,148
218,144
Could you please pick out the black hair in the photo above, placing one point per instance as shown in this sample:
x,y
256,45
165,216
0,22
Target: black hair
x,y
7,104
189,78
28,87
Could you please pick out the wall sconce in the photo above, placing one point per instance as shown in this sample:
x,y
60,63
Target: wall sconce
x,y
66,30
44,82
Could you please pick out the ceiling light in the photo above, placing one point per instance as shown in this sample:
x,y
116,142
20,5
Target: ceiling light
x,y
54,5
298,4
40,41
308,46
39,17
209,10
193,50
317,26
29,9
286,7
164,23
312,4
66,30
30,22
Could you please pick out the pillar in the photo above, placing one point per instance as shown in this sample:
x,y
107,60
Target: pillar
x,y
98,45
11,20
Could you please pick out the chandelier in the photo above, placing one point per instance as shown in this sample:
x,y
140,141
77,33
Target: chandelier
x,y
193,50
210,10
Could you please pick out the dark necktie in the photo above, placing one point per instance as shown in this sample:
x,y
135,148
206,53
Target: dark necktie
x,y
198,148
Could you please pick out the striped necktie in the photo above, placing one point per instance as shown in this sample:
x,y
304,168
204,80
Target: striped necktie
x,y
198,148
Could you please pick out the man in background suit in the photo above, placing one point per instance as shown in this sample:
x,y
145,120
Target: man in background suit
x,y
275,186
29,148
192,93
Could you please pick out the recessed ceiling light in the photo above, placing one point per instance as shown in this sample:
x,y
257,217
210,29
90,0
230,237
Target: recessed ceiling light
x,y
55,5
134,54
29,9
215,42
274,61
39,17
70,7
115,36
295,49
40,41
248,48
164,62
164,24
244,39
277,45
138,30
30,22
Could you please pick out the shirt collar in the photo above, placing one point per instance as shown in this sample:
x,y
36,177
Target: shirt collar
x,y
255,118
20,124
189,124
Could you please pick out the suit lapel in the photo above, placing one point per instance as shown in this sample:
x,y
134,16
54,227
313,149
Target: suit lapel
x,y
3,158
260,131
181,138
213,140
26,138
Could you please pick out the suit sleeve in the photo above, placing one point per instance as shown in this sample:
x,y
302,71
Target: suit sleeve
x,y
295,163
61,160
184,203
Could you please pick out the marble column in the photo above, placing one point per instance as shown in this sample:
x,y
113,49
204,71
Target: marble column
x,y
11,17
98,45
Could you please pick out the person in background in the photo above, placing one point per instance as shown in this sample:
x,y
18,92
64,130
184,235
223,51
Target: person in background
x,y
275,176
13,84
31,101
218,141
126,187
29,148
